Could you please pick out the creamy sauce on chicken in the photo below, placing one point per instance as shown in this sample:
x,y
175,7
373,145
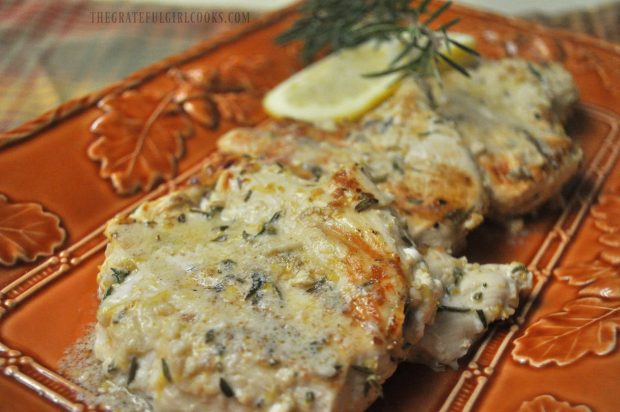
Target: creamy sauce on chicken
x,y
268,292
291,281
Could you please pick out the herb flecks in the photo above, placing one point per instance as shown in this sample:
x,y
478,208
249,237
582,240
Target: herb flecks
x,y
166,370
414,201
397,166
317,172
458,274
316,286
367,200
108,292
482,317
258,280
277,290
337,25
447,308
226,389
247,196
479,312
119,275
268,228
133,369
226,265
535,72
220,238
209,214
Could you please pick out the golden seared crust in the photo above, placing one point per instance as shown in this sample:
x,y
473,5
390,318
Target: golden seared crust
x,y
260,289
509,113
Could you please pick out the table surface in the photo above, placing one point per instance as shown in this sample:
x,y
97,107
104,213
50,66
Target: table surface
x,y
55,51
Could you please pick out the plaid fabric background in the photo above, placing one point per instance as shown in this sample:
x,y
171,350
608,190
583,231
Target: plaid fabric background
x,y
52,51
603,22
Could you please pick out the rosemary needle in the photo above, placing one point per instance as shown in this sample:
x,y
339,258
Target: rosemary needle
x,y
335,24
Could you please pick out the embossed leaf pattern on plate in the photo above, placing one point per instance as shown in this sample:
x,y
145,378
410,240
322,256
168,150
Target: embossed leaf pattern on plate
x,y
27,232
590,323
611,256
140,136
586,325
140,139
595,278
547,403
607,213
607,218
209,97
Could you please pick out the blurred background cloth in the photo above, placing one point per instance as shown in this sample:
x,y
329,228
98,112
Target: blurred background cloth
x,y
52,51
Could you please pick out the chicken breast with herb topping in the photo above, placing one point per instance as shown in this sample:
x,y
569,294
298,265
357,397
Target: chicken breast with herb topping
x,y
475,296
406,149
416,157
510,115
268,291
306,147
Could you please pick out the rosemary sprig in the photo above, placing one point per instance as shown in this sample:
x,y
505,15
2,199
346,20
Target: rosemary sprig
x,y
335,24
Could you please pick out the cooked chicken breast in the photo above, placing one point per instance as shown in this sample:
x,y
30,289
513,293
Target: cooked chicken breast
x,y
475,296
510,114
289,283
419,158
305,147
412,154
268,290
392,141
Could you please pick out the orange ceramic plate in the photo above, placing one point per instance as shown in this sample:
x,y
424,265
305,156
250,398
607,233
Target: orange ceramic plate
x,y
63,175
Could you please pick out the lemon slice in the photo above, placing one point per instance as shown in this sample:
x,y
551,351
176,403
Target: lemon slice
x,y
335,88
